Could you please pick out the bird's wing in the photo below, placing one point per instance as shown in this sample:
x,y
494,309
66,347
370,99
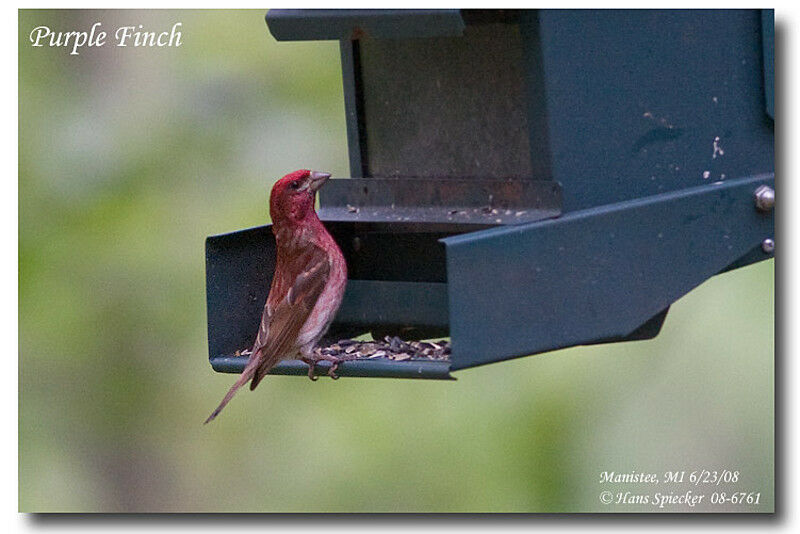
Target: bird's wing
x,y
286,317
287,309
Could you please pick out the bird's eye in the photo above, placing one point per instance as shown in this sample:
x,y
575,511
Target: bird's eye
x,y
294,185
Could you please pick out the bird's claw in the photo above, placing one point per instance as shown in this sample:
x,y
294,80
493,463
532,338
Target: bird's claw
x,y
311,364
311,372
332,371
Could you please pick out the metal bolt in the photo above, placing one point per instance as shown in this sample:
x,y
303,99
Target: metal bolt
x,y
765,198
768,246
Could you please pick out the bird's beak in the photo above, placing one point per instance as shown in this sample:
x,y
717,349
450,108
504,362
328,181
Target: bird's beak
x,y
317,180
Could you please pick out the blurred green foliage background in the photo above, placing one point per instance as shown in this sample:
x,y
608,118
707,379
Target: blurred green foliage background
x,y
130,157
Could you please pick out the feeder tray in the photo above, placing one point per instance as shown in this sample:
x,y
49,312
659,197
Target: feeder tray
x,y
521,190
390,357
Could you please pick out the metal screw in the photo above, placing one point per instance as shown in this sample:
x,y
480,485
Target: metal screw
x,y
765,198
768,246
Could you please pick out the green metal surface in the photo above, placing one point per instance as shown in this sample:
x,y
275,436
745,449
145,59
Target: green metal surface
x,y
768,43
596,274
455,202
378,367
636,99
655,126
351,24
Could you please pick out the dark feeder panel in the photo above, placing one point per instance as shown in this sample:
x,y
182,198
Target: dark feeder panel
x,y
525,181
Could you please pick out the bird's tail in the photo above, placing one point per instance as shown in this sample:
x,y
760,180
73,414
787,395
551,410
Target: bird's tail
x,y
246,375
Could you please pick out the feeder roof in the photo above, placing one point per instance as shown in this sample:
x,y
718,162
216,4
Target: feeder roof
x,y
352,24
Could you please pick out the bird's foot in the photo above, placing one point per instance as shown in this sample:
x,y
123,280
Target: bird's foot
x,y
335,362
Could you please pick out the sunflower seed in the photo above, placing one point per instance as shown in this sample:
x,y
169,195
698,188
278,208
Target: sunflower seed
x,y
391,347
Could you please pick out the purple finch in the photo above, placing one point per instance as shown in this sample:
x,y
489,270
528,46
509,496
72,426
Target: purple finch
x,y
307,287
